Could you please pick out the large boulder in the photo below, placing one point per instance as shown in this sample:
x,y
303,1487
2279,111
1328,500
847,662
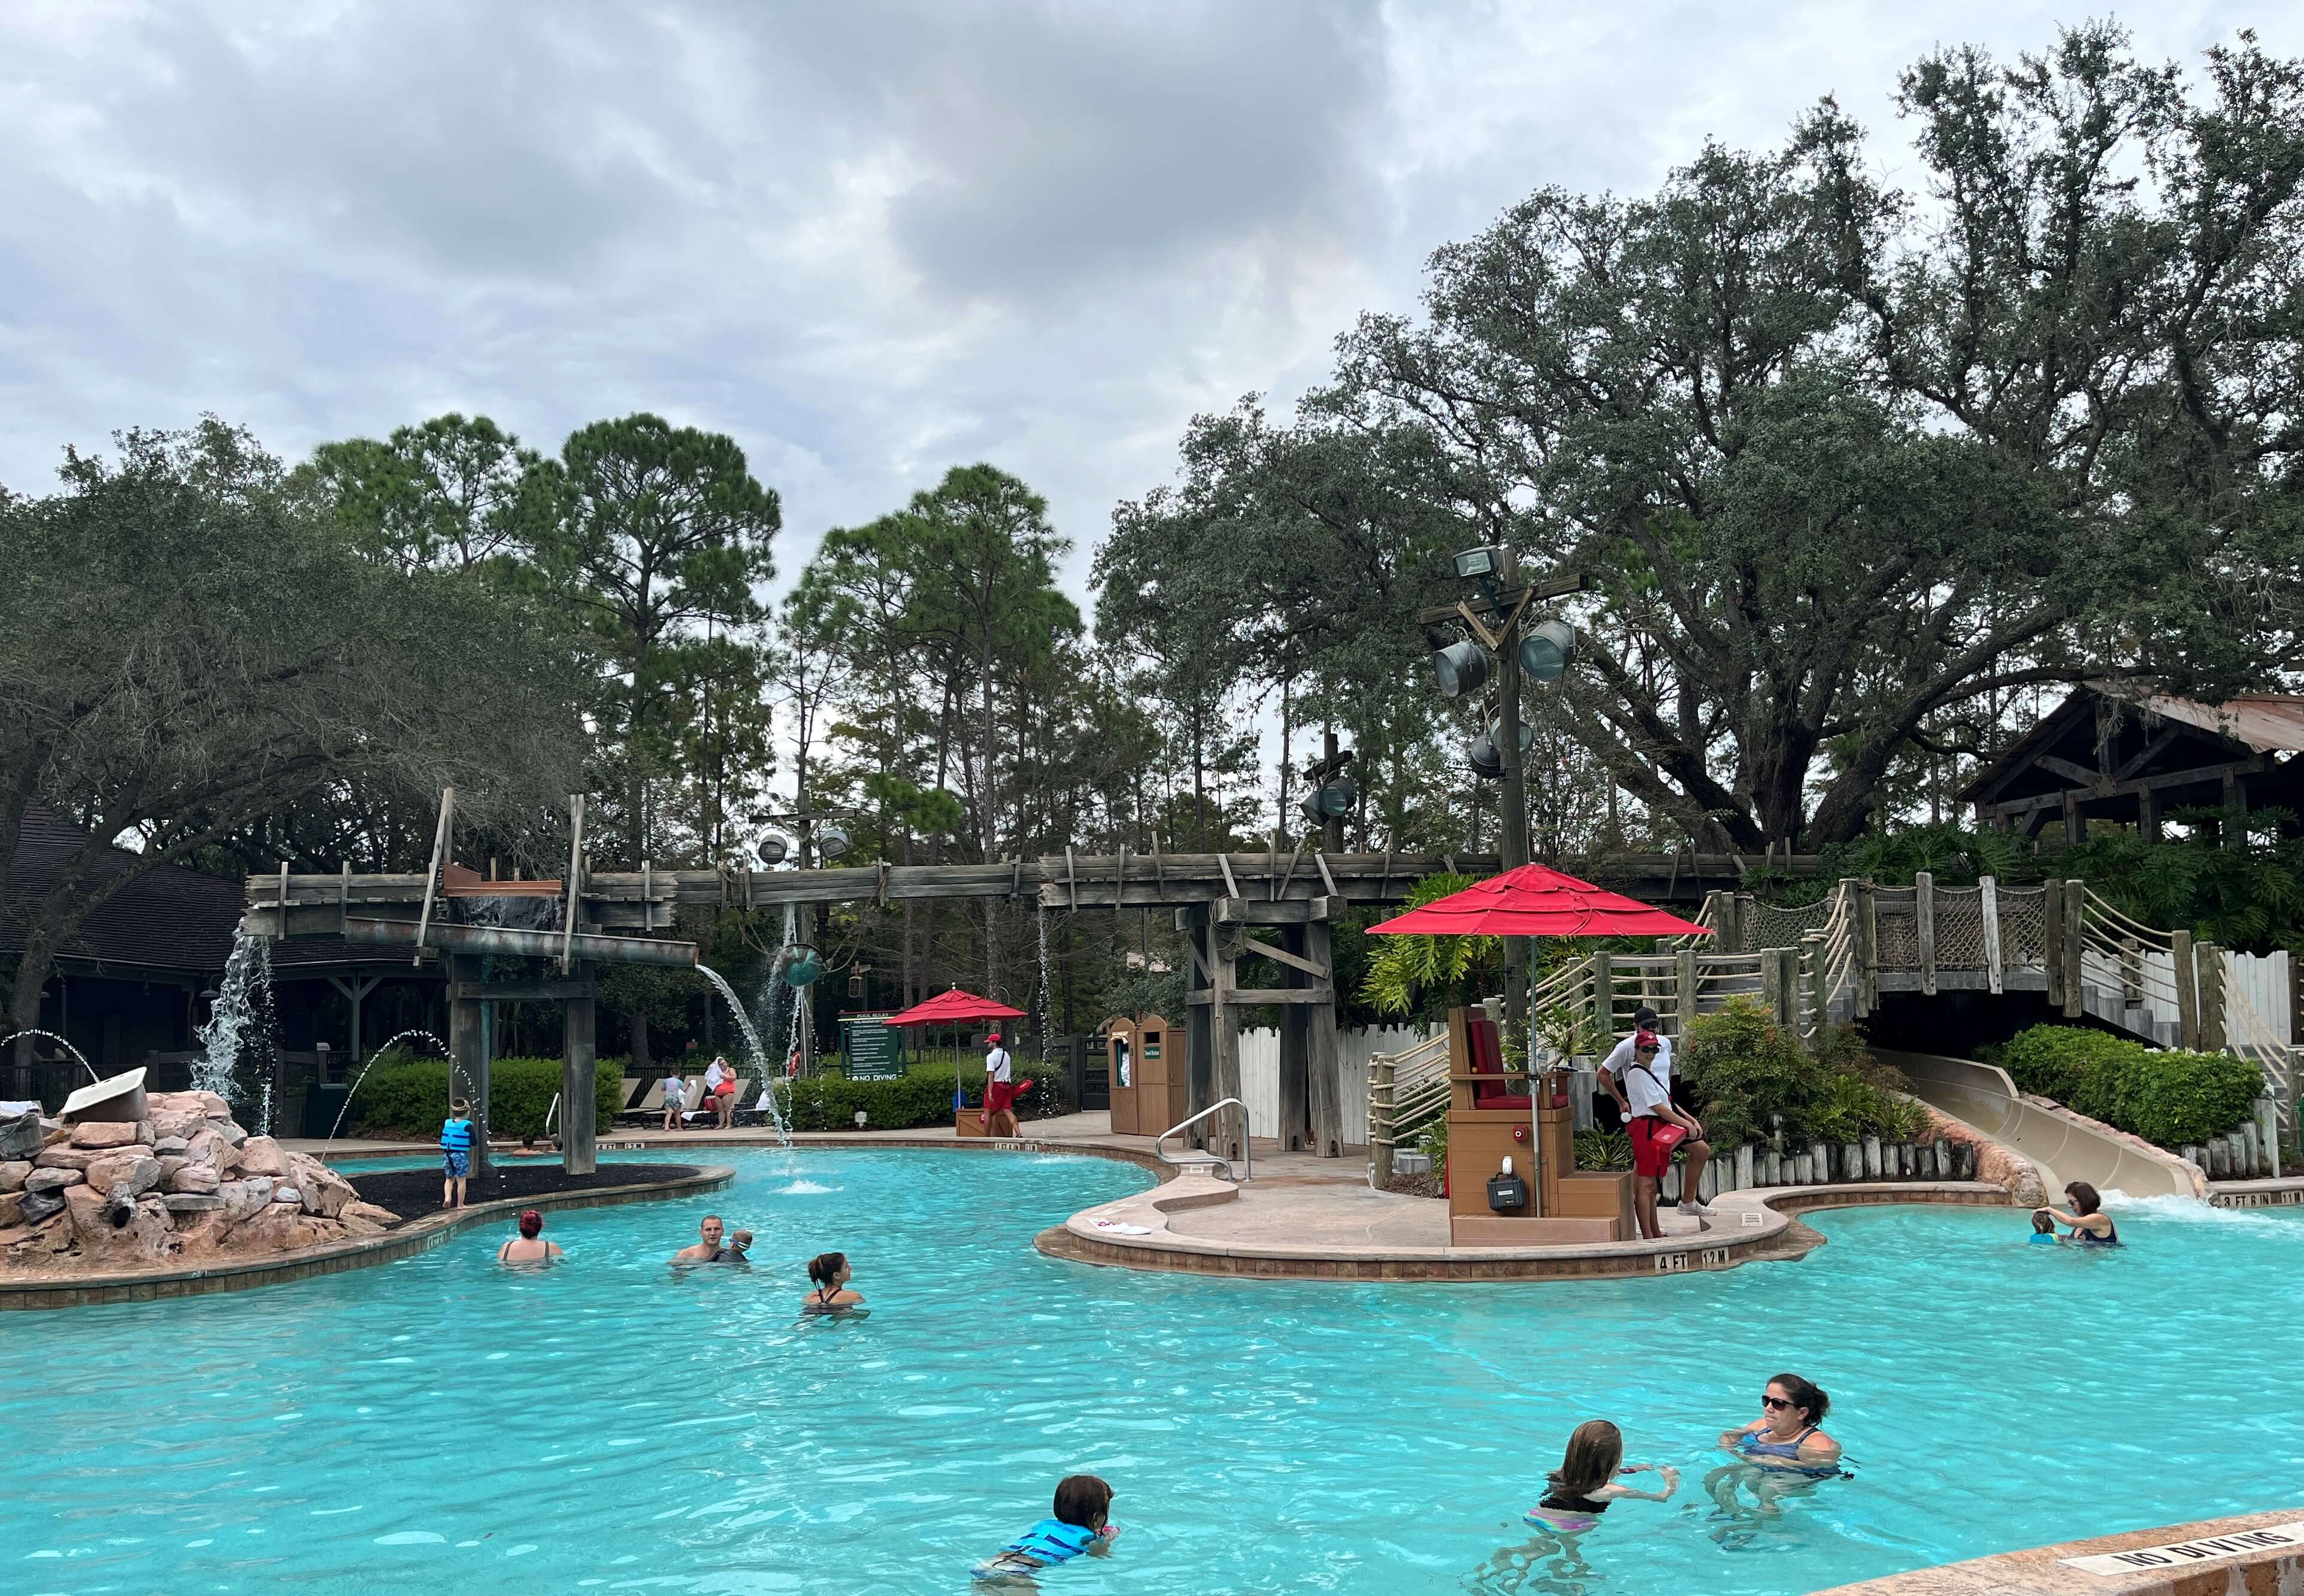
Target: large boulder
x,y
13,1173
115,1133
326,1192
179,1125
193,1202
210,1105
52,1180
282,1229
370,1212
194,1177
129,1172
261,1155
73,1158
210,1146
231,1133
118,1229
12,1209
41,1205
165,1146
21,1136
242,1198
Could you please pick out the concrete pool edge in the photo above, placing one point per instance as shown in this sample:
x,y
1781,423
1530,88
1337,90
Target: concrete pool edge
x,y
2265,1570
1756,1225
416,1236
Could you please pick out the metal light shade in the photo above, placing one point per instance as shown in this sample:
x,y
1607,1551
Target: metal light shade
x,y
1481,753
1331,799
1544,651
1461,668
772,850
1496,735
831,839
802,966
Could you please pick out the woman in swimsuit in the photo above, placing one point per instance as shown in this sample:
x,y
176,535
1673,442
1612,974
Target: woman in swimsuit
x,y
1581,1490
528,1246
830,1295
1781,1453
2091,1225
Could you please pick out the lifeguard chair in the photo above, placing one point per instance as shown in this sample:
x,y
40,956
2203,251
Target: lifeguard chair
x,y
1493,1115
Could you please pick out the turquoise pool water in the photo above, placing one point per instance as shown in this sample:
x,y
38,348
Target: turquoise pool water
x,y
441,1424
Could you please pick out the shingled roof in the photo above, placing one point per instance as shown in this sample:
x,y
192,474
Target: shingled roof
x,y
169,919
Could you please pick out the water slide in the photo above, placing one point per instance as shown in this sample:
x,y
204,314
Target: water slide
x,y
1982,1097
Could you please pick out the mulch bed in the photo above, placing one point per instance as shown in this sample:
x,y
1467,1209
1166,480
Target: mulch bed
x,y
1416,1186
413,1192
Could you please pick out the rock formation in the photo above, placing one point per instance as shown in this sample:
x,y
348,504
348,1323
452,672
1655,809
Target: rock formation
x,y
180,1184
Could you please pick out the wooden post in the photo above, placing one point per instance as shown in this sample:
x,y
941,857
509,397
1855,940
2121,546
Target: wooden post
x,y
2132,972
1868,949
1224,1033
1994,978
1924,910
1380,1120
2188,992
2051,940
440,834
1685,978
1603,992
2209,960
1818,999
1323,1058
579,1056
2235,828
1294,1129
2075,828
467,1049
2073,947
2147,813
1200,1015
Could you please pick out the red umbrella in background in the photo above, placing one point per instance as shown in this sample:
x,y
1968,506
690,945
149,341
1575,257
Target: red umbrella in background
x,y
1537,900
957,1008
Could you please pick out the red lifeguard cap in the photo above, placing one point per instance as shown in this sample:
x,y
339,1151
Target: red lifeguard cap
x,y
993,1038
1643,1039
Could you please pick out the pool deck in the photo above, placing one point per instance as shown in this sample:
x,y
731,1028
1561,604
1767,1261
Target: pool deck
x,y
2255,1554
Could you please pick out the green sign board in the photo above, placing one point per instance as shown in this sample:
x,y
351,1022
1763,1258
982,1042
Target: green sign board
x,y
874,1051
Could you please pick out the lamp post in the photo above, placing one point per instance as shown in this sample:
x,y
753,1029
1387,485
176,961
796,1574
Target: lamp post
x,y
1511,647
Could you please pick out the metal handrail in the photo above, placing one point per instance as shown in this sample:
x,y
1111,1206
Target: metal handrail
x,y
1246,1153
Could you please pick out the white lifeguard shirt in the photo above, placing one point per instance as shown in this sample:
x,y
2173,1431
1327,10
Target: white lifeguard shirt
x,y
996,1065
1646,1088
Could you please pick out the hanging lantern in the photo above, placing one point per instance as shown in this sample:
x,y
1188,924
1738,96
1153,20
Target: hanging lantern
x,y
1544,652
1461,668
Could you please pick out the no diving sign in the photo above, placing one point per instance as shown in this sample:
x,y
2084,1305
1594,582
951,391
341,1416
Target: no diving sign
x,y
2183,1554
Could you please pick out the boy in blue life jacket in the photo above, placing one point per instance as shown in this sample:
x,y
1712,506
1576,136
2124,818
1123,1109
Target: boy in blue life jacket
x,y
455,1153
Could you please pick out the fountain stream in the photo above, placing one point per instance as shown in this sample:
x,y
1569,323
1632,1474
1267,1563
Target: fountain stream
x,y
233,1021
60,1041
390,1043
757,1049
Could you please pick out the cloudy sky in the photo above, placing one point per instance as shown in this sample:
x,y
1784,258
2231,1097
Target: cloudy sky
x,y
870,241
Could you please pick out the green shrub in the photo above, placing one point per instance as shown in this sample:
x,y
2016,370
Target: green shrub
x,y
829,1101
1433,1143
2170,1098
407,1096
1747,1074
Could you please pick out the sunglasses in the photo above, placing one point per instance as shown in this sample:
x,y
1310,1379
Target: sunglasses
x,y
1774,1403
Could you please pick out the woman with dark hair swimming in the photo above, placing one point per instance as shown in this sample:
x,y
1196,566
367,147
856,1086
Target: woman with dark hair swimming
x,y
2091,1225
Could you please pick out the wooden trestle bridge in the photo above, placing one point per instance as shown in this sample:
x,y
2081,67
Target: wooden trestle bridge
x,y
1270,911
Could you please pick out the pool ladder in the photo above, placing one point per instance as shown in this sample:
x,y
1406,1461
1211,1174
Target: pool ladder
x,y
1200,1157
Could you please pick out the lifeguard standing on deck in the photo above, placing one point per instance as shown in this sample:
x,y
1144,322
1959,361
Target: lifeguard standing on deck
x,y
999,1093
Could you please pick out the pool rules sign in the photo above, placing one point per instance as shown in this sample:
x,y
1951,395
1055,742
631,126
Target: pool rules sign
x,y
2184,1554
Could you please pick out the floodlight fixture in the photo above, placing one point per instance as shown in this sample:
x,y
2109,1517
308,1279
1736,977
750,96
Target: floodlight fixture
x,y
1544,651
1488,563
772,850
1487,763
1461,668
1329,801
831,839
1496,735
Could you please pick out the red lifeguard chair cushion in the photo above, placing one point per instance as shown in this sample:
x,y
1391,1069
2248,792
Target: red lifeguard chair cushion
x,y
1487,1047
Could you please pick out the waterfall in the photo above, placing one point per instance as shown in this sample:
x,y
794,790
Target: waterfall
x,y
1040,998
770,1071
237,1024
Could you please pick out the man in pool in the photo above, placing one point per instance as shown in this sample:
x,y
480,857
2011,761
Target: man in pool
x,y
709,1248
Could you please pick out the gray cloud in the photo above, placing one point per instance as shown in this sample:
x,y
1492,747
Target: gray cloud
x,y
868,240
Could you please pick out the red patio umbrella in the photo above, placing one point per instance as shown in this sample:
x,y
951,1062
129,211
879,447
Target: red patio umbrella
x,y
956,1008
1537,900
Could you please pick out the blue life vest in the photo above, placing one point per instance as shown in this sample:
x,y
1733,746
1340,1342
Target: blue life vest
x,y
1053,1541
456,1136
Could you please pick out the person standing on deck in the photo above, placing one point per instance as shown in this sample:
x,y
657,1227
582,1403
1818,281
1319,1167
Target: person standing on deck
x,y
999,1093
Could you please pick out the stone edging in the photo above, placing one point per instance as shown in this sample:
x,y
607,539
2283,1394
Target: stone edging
x,y
1773,1233
2193,1559
417,1235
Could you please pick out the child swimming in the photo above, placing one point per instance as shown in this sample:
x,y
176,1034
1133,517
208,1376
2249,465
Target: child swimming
x,y
2044,1228
830,1273
1080,1524
1581,1489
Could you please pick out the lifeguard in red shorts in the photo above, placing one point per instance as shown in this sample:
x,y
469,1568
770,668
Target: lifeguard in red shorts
x,y
1657,1128
999,1094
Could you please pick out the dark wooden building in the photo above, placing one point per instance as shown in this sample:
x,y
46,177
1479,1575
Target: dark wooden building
x,y
2112,752
134,982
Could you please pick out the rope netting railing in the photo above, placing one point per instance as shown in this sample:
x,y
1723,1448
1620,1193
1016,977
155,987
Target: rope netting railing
x,y
1768,926
1959,913
2023,925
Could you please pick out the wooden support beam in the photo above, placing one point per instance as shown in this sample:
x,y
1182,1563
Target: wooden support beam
x,y
1924,907
1688,989
1296,961
2074,945
2209,960
1255,996
2051,940
579,1061
431,877
2075,828
1231,883
2151,751
1557,587
1323,1056
2188,992
1868,949
568,914
1992,974
520,992
468,1051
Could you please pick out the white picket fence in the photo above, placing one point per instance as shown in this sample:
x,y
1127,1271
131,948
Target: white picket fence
x,y
2259,981
1259,1073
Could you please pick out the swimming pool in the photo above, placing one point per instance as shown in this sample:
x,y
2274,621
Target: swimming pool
x,y
440,1423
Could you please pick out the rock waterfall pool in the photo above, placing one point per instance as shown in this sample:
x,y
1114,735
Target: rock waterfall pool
x,y
443,1424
